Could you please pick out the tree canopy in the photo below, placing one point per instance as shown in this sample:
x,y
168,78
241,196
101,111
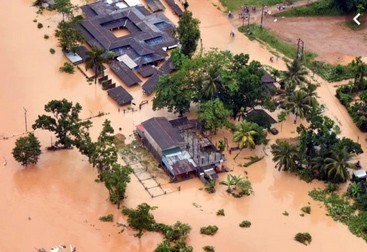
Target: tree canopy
x,y
213,114
68,36
64,121
188,33
27,150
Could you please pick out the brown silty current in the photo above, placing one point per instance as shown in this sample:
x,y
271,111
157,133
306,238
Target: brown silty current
x,y
58,202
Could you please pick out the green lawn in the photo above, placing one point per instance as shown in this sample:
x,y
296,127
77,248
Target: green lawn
x,y
237,4
321,8
326,71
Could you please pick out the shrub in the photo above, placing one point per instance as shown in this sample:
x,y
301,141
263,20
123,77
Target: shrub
x,y
46,36
245,224
304,238
34,20
39,25
306,209
285,213
210,186
332,187
106,218
67,68
209,248
220,212
52,51
209,230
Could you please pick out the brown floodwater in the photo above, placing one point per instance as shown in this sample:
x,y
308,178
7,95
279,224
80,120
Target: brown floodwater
x,y
58,202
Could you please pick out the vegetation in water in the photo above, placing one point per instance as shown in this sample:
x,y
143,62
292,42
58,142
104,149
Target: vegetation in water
x,y
106,218
209,230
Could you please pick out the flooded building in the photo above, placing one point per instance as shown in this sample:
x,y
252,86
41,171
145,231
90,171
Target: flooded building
x,y
179,148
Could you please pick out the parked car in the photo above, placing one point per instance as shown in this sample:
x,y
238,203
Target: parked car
x,y
274,131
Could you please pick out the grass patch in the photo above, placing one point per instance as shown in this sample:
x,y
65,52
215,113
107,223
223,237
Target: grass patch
x,y
237,4
209,230
341,209
321,8
304,238
245,224
107,218
326,71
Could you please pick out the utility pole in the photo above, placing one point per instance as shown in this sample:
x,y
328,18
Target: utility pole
x,y
262,17
25,119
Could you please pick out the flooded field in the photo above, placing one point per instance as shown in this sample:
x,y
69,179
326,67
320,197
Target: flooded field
x,y
58,202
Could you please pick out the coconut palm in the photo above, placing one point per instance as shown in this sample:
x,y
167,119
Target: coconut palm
x,y
311,94
95,60
360,70
244,136
297,103
295,74
337,165
211,82
285,155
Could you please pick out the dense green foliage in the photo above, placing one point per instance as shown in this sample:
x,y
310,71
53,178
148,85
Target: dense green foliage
x,y
68,36
116,180
140,219
208,248
27,150
354,95
64,121
188,33
342,209
306,209
106,218
209,230
237,186
304,238
245,224
213,114
67,68
213,75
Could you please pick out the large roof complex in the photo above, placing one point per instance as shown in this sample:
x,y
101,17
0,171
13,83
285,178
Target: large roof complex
x,y
148,33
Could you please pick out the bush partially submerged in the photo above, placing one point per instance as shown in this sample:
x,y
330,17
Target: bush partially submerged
x,y
220,212
306,209
209,248
106,218
304,238
245,224
209,230
67,68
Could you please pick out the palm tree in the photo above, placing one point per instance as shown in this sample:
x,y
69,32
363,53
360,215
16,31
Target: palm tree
x,y
337,165
95,60
311,94
297,103
359,69
285,155
244,136
211,82
295,74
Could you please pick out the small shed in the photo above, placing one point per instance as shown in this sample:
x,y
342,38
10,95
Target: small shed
x,y
74,58
120,96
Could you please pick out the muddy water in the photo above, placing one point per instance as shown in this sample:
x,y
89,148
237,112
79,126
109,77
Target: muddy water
x,y
58,202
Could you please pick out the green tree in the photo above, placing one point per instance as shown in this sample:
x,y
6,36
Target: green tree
x,y
297,103
295,75
174,93
95,60
188,33
27,150
140,219
116,181
247,135
104,151
211,81
286,156
337,165
64,7
68,36
311,94
64,122
213,114
360,70
282,116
